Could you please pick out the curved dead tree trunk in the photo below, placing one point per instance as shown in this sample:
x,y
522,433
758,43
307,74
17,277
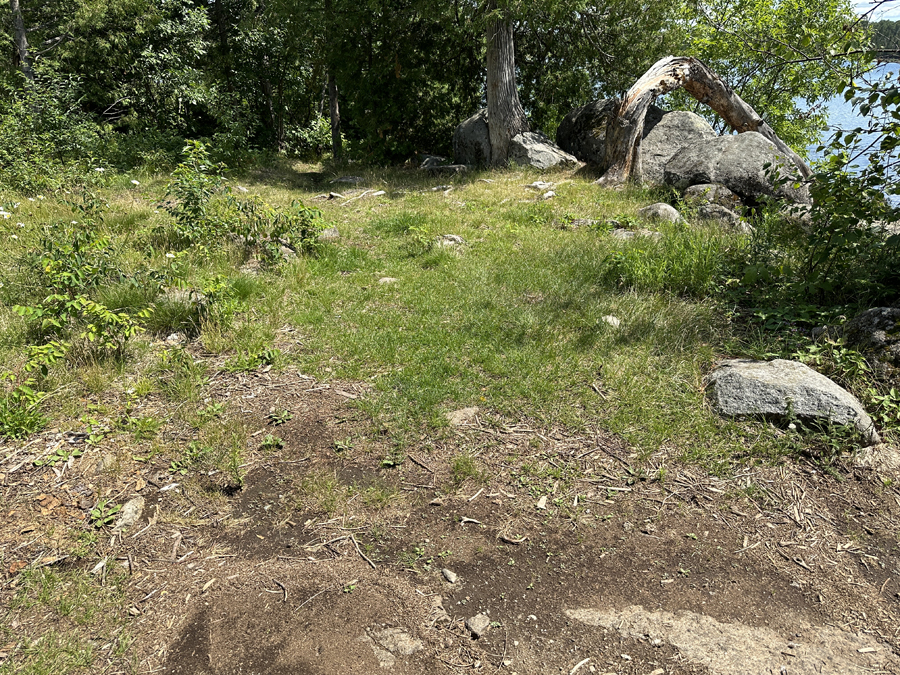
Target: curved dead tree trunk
x,y
506,117
625,129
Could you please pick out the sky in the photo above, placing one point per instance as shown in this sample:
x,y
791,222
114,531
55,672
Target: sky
x,y
888,10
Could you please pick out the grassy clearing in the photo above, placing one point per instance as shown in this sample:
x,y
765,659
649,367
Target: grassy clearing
x,y
511,321
515,320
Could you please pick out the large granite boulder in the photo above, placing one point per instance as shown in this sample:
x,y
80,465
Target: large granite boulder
x,y
583,134
472,142
737,162
533,148
741,387
666,134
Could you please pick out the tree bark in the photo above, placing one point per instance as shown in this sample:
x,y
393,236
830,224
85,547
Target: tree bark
x,y
337,145
625,128
20,38
506,117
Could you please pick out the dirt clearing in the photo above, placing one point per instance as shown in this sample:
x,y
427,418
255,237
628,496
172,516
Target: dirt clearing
x,y
336,555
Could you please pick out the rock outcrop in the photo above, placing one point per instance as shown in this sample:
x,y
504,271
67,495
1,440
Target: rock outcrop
x,y
583,134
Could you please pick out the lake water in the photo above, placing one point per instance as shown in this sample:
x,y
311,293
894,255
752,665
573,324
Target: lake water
x,y
842,115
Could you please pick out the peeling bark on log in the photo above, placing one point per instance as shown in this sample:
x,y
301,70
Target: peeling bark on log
x,y
625,128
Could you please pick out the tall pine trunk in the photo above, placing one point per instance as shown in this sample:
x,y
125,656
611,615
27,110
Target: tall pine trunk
x,y
337,146
506,117
20,39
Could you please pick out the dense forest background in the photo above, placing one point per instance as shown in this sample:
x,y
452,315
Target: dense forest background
x,y
886,39
121,83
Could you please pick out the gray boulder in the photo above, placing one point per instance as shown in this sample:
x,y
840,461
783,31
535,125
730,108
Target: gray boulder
x,y
532,148
665,134
723,216
583,134
659,212
737,162
876,332
711,193
472,142
741,387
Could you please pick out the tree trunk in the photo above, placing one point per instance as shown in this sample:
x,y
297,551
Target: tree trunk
x,y
337,146
21,41
625,129
506,117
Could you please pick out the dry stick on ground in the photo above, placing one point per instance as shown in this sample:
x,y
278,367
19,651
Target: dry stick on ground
x,y
625,127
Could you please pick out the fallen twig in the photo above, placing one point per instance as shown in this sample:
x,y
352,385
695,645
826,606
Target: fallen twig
x,y
361,554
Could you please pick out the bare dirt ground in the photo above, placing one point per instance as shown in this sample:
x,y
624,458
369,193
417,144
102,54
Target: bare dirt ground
x,y
329,560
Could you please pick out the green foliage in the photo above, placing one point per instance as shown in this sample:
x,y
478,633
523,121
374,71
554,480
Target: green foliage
x,y
271,443
886,39
71,262
61,454
840,253
279,417
194,456
463,468
46,140
685,262
104,513
783,57
201,220
247,361
19,413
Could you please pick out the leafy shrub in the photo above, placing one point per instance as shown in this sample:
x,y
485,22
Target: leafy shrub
x,y
46,141
843,253
71,262
200,218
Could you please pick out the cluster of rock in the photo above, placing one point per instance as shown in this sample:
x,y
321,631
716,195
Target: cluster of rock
x,y
472,146
717,174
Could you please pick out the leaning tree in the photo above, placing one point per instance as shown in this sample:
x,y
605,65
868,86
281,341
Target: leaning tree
x,y
625,126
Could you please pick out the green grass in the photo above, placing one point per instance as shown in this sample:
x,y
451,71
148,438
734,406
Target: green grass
x,y
512,321
85,618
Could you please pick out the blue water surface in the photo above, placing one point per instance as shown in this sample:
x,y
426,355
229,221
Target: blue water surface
x,y
843,116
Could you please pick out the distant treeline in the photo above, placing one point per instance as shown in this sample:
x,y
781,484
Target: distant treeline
x,y
886,39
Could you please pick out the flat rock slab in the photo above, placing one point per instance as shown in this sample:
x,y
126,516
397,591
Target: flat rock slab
x,y
741,387
737,649
532,148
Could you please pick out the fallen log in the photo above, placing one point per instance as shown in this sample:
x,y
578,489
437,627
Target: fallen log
x,y
625,126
